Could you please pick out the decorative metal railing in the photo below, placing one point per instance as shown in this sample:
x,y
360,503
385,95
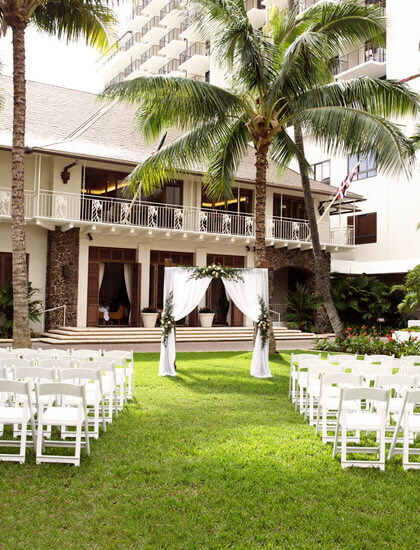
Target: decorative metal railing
x,y
173,4
154,22
357,57
72,207
171,35
169,67
196,48
152,51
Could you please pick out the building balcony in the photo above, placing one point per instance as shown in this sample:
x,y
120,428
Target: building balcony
x,y
131,68
365,61
118,216
152,32
189,28
151,60
195,59
172,69
171,15
136,17
153,8
256,12
171,44
119,78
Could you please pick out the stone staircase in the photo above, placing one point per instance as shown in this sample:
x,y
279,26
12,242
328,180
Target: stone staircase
x,y
126,335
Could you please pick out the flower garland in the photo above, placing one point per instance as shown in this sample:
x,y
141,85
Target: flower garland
x,y
218,272
264,321
167,321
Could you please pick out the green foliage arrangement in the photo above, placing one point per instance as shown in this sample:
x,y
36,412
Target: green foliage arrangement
x,y
218,272
150,310
264,321
167,321
364,299
411,290
302,304
205,310
369,342
6,307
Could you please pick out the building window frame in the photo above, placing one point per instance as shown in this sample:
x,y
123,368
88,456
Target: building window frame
x,y
361,224
366,168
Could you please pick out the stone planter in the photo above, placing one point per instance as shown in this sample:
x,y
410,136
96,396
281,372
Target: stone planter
x,y
206,319
149,319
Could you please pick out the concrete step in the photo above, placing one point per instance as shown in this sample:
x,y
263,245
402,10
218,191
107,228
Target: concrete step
x,y
121,335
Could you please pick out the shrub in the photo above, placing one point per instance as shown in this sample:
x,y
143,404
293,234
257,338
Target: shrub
x,y
6,307
411,290
368,342
302,304
205,310
150,310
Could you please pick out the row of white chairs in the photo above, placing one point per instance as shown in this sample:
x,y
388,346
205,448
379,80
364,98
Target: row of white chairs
x,y
341,395
78,393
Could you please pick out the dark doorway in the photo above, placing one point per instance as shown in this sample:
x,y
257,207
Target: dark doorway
x,y
219,302
113,295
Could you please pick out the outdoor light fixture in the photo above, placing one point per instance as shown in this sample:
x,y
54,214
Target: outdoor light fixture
x,y
65,174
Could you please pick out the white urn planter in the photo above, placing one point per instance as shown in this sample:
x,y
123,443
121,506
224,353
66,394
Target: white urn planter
x,y
206,319
149,319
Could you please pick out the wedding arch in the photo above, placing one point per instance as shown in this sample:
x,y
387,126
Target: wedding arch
x,y
184,287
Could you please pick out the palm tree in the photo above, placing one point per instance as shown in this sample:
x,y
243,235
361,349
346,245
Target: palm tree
x,y
278,81
69,19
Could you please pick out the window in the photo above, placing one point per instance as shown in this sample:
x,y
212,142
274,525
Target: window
x,y
322,171
104,183
366,168
364,228
285,206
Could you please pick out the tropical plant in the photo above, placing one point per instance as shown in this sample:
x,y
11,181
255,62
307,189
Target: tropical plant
x,y
364,298
7,310
302,305
280,79
411,290
205,310
150,309
69,19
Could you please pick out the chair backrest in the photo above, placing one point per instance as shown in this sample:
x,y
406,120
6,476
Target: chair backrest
x,y
86,353
6,355
14,386
415,359
302,357
412,396
371,394
16,362
87,374
379,358
409,371
61,388
106,368
342,379
34,373
119,356
398,382
370,371
54,353
340,358
316,370
32,355
56,363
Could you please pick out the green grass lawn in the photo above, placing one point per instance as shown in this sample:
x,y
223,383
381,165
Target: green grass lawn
x,y
211,459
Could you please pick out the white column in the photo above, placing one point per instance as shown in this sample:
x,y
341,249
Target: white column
x,y
83,281
201,260
143,257
249,263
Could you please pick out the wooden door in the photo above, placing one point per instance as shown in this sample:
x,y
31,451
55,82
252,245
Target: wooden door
x,y
136,294
93,294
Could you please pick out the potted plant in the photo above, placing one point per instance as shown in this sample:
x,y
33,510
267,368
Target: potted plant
x,y
149,316
206,316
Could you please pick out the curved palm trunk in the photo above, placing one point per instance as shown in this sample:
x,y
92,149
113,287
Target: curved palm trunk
x,y
261,164
21,331
320,273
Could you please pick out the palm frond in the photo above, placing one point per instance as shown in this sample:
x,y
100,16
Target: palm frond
x,y
224,161
75,19
345,130
283,149
176,102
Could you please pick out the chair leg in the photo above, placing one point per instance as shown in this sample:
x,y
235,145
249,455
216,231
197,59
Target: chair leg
x,y
406,446
78,442
382,449
343,445
39,442
22,452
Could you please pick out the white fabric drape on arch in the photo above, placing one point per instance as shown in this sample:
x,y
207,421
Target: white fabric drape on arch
x,y
128,279
101,274
187,294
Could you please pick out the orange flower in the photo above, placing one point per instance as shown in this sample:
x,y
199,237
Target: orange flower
x,y
363,327
365,334
373,328
375,334
392,331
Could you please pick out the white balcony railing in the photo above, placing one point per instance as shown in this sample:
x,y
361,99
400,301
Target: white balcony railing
x,y
74,208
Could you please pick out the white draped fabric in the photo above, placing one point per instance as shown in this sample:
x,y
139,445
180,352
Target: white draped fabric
x,y
101,274
128,279
187,294
245,296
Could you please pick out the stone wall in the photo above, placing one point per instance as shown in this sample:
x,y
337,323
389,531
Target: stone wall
x,y
62,276
283,257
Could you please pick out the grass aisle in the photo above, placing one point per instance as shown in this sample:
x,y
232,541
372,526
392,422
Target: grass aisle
x,y
211,459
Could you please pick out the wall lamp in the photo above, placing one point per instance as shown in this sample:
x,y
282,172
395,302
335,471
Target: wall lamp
x,y
65,174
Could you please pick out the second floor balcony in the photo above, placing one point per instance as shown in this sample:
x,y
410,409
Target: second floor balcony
x,y
366,61
195,59
113,215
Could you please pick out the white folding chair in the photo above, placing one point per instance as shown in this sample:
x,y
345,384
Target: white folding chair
x,y
370,417
415,359
379,358
302,379
341,358
409,421
411,370
62,415
313,388
329,400
92,379
119,363
398,385
371,372
294,363
13,414
86,354
109,385
129,364
9,364
55,353
56,363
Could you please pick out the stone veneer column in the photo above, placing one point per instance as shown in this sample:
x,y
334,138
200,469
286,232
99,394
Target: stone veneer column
x,y
282,257
62,276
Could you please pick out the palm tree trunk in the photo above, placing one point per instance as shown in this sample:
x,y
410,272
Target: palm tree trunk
x,y
21,331
320,273
261,164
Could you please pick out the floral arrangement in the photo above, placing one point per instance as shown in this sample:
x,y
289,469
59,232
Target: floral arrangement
x,y
368,341
218,272
167,321
264,321
205,310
